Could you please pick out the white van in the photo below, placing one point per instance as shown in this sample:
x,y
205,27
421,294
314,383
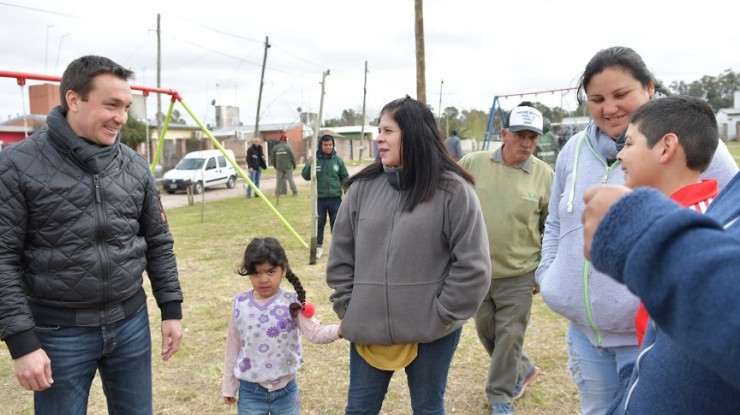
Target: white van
x,y
201,169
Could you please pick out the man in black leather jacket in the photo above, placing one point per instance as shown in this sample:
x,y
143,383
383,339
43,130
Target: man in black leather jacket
x,y
80,222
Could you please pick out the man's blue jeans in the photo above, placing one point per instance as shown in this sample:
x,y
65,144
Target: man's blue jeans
x,y
324,207
426,375
120,351
254,176
254,399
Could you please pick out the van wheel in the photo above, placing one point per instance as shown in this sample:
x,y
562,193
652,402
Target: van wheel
x,y
197,188
231,182
170,192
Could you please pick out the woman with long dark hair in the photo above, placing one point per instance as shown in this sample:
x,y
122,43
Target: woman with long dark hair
x,y
409,262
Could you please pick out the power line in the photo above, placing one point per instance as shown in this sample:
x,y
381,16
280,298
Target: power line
x,y
37,10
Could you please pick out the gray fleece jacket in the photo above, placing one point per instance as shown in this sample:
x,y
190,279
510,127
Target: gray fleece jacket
x,y
407,277
600,307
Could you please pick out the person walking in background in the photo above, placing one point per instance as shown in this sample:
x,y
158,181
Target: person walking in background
x,y
80,224
514,191
403,303
263,346
255,164
547,147
454,146
668,144
283,159
601,335
330,174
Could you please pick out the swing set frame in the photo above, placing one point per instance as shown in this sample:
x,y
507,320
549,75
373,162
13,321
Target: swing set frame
x,y
22,77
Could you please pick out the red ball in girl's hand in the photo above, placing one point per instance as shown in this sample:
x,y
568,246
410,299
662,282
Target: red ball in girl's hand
x,y
308,310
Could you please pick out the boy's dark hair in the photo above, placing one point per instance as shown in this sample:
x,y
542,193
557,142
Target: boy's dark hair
x,y
423,153
268,250
326,137
690,119
80,73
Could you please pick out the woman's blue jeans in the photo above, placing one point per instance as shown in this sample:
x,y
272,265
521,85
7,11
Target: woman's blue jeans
x,y
595,370
254,399
120,351
426,375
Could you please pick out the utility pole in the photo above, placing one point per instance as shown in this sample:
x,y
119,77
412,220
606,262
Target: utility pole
x,y
362,129
314,188
159,81
46,54
440,103
421,86
262,83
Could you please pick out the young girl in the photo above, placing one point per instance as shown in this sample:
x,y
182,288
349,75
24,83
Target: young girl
x,y
263,349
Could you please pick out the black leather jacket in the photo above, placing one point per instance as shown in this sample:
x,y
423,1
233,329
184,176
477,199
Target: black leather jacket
x,y
74,244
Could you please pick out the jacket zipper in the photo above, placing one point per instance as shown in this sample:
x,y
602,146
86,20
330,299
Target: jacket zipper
x,y
100,219
396,214
586,263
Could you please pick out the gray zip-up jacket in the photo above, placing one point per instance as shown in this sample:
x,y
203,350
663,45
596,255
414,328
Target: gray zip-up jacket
x,y
407,277
600,307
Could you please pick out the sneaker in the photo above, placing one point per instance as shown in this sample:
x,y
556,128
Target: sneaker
x,y
319,252
521,385
502,409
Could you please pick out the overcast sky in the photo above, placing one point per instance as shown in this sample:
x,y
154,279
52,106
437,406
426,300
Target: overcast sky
x,y
213,50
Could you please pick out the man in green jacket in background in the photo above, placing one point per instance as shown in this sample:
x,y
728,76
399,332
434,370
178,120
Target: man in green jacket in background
x,y
283,159
330,174
547,147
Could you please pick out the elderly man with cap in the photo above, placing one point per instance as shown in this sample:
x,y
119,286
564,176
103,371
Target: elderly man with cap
x,y
514,191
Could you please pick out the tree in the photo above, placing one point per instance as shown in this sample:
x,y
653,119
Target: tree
x,y
133,132
474,124
718,91
175,119
349,117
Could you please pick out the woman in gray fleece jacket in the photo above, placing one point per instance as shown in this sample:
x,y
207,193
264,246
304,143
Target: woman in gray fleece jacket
x,y
409,262
601,336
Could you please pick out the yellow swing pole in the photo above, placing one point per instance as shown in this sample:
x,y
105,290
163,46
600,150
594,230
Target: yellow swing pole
x,y
239,170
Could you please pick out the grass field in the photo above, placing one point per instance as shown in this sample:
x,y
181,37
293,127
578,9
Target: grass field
x,y
208,252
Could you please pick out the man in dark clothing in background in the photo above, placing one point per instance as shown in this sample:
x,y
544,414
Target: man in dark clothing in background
x,y
255,164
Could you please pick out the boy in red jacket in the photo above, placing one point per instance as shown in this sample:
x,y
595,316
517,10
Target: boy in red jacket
x,y
668,144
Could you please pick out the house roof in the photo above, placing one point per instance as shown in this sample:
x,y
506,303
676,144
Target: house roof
x,y
349,129
730,111
284,126
32,118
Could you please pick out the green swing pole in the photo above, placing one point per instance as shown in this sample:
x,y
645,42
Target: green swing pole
x,y
160,137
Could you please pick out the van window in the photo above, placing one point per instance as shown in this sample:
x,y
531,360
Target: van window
x,y
211,164
189,164
221,161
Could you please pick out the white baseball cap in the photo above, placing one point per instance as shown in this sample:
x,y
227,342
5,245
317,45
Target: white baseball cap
x,y
524,118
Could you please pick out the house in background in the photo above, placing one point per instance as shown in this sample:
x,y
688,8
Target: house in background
x,y
353,142
18,128
728,120
179,139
